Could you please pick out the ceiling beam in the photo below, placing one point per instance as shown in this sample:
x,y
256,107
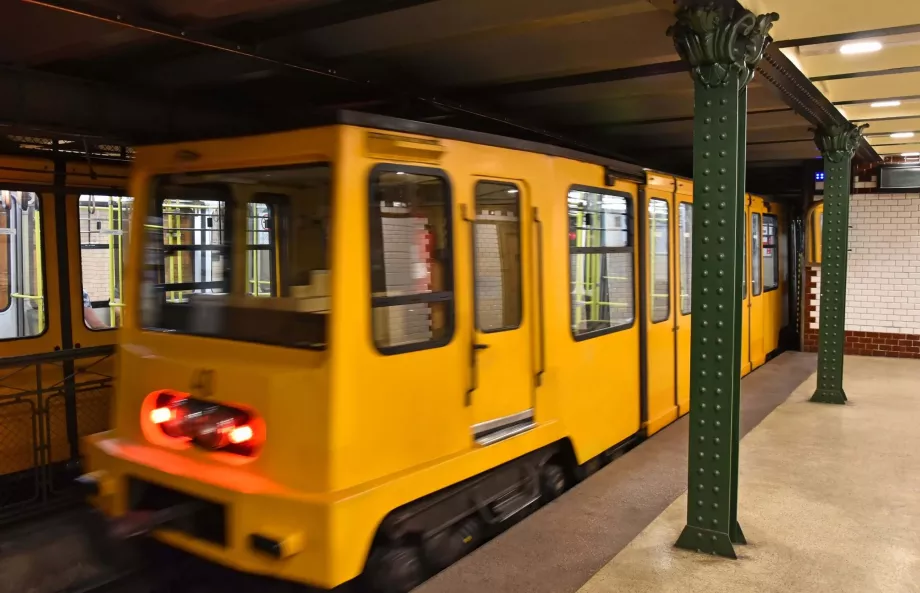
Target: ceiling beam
x,y
675,120
311,18
844,37
867,73
573,80
800,93
210,42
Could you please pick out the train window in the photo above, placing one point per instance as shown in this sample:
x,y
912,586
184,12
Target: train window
x,y
659,260
191,285
104,222
261,219
685,239
770,255
601,261
756,271
497,261
23,313
411,263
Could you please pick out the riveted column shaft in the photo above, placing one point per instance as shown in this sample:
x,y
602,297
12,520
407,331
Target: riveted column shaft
x,y
837,146
722,47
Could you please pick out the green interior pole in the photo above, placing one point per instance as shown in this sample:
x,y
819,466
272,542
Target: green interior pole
x,y
722,46
837,144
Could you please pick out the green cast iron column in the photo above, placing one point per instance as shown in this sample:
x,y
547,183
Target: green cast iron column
x,y
722,47
837,146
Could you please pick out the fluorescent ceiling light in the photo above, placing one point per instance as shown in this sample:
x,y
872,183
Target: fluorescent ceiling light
x,y
860,47
903,135
885,104
910,154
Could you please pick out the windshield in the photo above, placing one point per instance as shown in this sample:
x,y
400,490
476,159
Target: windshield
x,y
240,255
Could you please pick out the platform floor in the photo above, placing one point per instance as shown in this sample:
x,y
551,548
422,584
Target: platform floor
x,y
829,500
561,546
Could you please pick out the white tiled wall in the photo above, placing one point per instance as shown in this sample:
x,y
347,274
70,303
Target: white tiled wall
x,y
883,269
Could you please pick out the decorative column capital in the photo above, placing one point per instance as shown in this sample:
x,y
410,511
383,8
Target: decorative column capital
x,y
839,142
717,41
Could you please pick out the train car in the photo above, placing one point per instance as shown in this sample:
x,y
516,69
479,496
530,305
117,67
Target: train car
x,y
56,370
446,330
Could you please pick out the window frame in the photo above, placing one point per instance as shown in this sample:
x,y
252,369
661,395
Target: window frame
x,y
763,220
680,268
520,267
630,247
39,196
125,255
651,284
448,295
152,200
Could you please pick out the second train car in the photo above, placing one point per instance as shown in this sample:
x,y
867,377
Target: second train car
x,y
447,330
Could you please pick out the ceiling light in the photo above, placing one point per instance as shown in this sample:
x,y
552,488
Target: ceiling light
x,y
910,154
885,104
903,135
861,47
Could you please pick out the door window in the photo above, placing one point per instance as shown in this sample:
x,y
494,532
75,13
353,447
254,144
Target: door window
x,y
756,271
685,239
497,256
659,259
770,256
104,223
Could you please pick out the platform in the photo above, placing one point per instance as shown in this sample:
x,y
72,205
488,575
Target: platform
x,y
828,500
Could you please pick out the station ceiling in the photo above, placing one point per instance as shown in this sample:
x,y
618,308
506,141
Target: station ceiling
x,y
881,86
596,75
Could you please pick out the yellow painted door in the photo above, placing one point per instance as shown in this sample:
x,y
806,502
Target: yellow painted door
x,y
661,353
503,396
683,241
757,297
746,294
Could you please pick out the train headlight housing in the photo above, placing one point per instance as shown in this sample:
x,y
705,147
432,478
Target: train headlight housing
x,y
209,425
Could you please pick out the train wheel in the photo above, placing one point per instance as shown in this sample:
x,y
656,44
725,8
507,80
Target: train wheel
x,y
394,568
552,482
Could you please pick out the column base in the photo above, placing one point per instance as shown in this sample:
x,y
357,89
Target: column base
x,y
706,541
736,535
829,396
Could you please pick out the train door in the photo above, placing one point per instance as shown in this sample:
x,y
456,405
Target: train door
x,y
683,243
756,308
661,354
773,285
746,291
503,397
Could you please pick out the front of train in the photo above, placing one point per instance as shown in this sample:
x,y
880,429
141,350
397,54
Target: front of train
x,y
219,446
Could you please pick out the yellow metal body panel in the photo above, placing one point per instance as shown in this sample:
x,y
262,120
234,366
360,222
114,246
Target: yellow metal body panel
x,y
352,434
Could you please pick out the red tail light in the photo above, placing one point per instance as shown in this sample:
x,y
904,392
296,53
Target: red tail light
x,y
209,425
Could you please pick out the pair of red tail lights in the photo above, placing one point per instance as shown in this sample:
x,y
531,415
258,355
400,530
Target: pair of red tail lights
x,y
212,426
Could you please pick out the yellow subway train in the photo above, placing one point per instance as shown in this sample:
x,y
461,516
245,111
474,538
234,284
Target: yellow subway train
x,y
61,259
390,339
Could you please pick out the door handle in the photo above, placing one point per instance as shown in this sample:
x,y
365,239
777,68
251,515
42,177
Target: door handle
x,y
480,346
